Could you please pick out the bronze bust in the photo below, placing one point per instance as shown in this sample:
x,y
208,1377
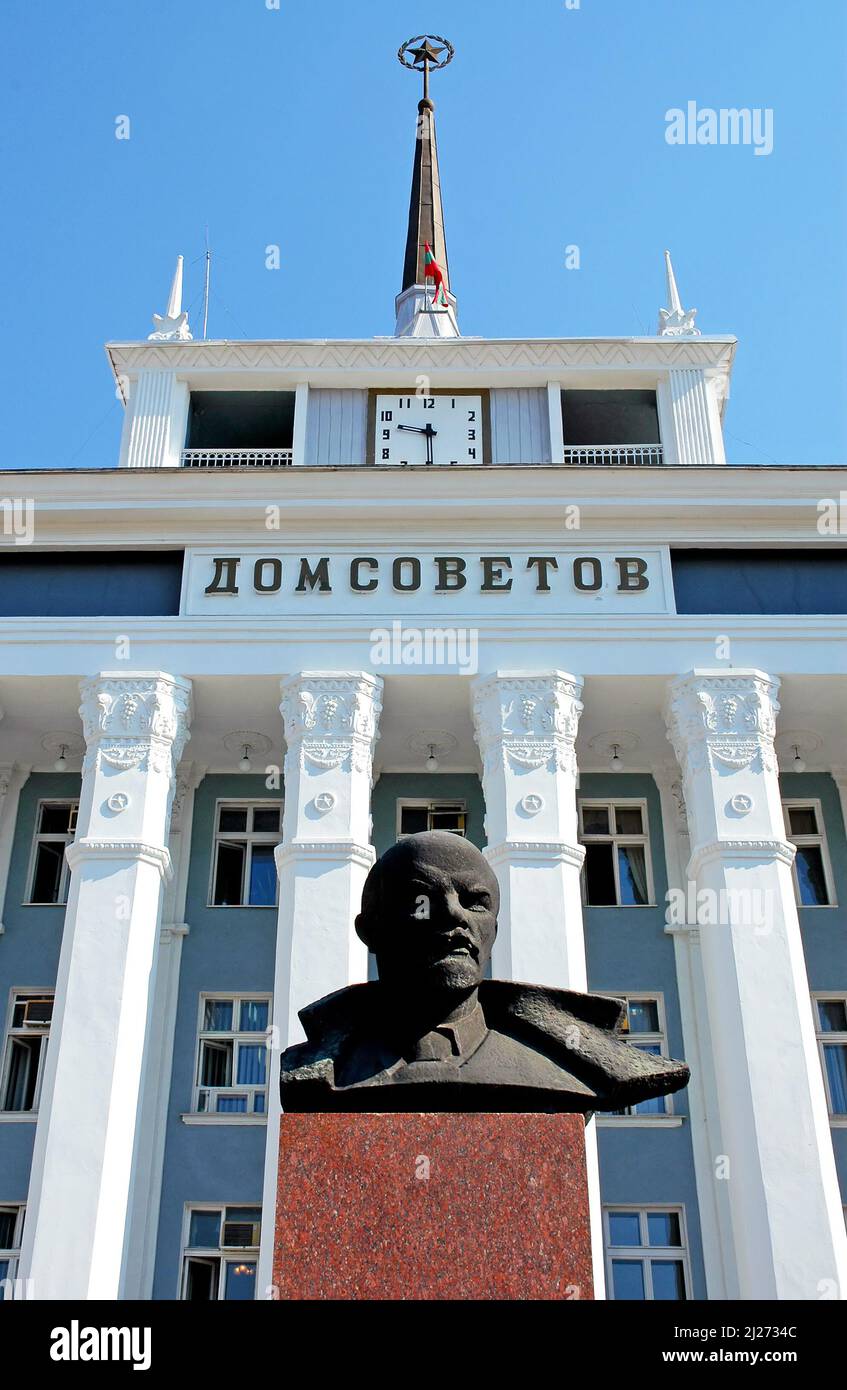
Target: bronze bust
x,y
433,1035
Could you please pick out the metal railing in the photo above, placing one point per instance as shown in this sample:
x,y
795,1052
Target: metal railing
x,y
237,458
626,455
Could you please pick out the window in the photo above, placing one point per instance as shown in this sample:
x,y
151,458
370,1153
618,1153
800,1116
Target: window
x,y
617,870
244,872
220,1255
415,816
26,1048
232,1057
645,1253
610,417
49,872
831,1030
812,872
11,1230
645,1029
241,420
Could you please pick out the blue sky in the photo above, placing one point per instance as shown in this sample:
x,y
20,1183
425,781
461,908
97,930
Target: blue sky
x,y
295,126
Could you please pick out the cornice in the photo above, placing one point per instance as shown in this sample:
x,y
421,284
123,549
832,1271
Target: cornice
x,y
459,354
747,852
133,850
538,851
343,851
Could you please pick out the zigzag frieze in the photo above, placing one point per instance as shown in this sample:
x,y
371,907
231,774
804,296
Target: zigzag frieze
x,y
393,355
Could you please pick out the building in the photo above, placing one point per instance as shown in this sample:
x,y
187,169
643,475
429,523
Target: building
x,y
574,635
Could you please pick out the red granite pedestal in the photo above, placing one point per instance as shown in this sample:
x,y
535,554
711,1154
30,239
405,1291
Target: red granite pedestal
x,y
432,1207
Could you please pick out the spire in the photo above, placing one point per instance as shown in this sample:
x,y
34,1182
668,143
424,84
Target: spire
x,y
426,213
173,324
676,322
418,313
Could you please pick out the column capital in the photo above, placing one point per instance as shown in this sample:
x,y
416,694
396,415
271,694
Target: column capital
x,y
330,719
723,719
668,778
187,779
137,719
527,718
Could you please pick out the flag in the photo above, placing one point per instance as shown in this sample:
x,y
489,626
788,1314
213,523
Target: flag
x,y
434,272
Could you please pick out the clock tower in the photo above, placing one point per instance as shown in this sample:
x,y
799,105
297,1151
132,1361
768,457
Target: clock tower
x,y
425,306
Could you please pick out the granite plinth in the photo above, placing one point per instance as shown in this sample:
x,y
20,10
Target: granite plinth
x,y
412,1206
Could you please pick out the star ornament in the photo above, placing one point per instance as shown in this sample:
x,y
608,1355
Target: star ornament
x,y
426,53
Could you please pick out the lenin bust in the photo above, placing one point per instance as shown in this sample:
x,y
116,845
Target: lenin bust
x,y
432,1034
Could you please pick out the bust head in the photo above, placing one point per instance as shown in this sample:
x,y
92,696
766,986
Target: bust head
x,y
429,914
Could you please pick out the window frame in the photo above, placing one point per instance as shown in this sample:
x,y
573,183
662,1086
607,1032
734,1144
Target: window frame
x,y
39,837
616,840
236,1036
646,1253
247,837
16,995
801,841
661,1037
837,1118
224,1256
12,1253
429,803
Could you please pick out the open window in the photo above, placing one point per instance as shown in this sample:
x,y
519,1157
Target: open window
x,y
49,871
239,428
611,427
419,814
25,1051
243,867
221,1254
232,1055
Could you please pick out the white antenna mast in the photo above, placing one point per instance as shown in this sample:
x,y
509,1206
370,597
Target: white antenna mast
x,y
206,285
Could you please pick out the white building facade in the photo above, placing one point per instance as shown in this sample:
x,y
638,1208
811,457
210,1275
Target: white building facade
x,y
275,637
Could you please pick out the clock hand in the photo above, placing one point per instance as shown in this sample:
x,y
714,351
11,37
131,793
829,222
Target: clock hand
x,y
417,429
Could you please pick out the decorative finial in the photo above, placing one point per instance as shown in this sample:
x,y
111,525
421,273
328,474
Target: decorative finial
x,y
676,322
172,326
426,52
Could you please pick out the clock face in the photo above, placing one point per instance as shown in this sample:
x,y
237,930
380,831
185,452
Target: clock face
x,y
440,429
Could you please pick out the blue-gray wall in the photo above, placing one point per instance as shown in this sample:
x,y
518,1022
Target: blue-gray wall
x,y
628,951
824,929
228,948
29,958
443,786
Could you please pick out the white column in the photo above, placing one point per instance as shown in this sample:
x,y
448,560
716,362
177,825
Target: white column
x,y
81,1186
301,410
155,422
695,418
525,725
12,780
704,1118
557,428
331,720
138,1281
784,1205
